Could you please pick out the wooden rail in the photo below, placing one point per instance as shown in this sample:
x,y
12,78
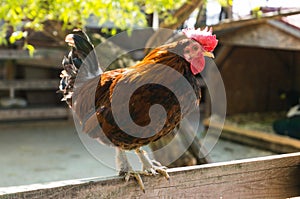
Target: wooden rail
x,y
263,140
33,113
253,20
266,177
29,84
49,58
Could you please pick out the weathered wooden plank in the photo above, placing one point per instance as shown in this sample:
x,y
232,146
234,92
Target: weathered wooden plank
x,y
268,141
33,113
252,20
285,27
265,177
13,54
41,57
30,84
259,36
24,54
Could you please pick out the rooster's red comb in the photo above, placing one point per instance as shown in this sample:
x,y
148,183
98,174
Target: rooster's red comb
x,y
204,37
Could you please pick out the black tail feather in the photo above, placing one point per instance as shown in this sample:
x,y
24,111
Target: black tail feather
x,y
81,64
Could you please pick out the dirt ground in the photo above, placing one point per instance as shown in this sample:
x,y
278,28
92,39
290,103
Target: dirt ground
x,y
44,151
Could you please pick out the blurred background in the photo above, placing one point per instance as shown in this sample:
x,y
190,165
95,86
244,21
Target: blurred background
x,y
257,57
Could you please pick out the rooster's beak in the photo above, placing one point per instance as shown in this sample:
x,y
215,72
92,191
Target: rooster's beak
x,y
208,54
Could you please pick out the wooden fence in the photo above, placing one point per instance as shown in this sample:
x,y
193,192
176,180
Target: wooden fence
x,y
266,177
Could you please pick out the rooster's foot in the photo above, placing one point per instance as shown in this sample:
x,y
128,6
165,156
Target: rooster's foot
x,y
126,169
135,175
151,167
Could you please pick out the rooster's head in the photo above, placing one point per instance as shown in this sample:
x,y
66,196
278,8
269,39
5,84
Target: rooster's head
x,y
203,43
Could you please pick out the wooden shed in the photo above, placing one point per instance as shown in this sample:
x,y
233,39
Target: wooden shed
x,y
28,84
257,58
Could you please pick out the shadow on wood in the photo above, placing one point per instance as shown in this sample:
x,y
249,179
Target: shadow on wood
x,y
265,177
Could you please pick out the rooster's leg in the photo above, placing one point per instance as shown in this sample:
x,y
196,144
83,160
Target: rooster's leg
x,y
125,169
151,167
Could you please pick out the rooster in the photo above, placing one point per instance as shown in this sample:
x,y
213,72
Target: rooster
x,y
185,56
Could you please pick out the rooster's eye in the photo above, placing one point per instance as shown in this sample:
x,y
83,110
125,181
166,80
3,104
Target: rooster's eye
x,y
195,47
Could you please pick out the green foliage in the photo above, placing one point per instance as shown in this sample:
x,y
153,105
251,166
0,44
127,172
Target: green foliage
x,y
16,36
124,14
30,48
256,12
161,6
225,3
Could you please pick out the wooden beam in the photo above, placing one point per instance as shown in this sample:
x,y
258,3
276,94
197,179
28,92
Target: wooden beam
x,y
285,27
265,177
263,140
13,54
41,57
259,36
252,21
29,84
33,113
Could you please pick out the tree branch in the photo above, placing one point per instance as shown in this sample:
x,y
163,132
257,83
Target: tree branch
x,y
161,36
